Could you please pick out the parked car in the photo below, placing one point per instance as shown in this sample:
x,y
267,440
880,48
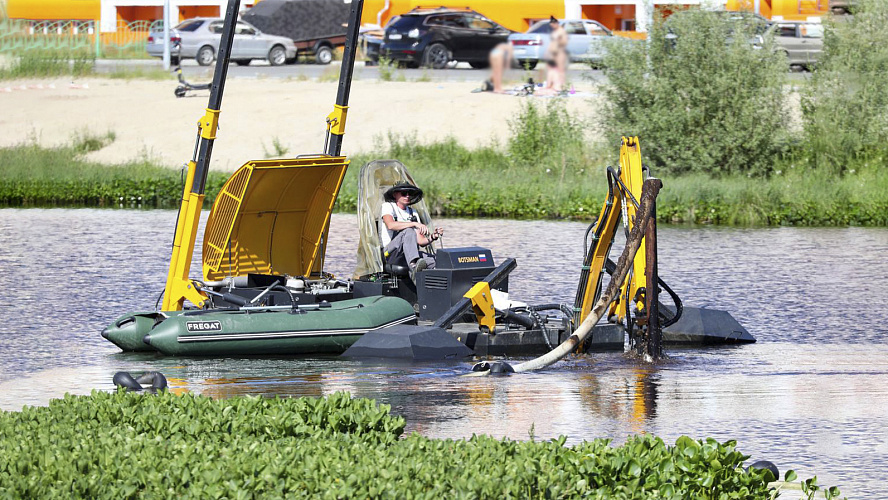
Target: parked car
x,y
199,39
801,41
371,39
435,37
586,42
842,7
317,27
752,23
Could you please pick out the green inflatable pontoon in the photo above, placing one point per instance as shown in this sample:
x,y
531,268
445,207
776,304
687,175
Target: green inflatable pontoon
x,y
327,328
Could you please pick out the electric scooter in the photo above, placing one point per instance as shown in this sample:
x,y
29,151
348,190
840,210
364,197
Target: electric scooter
x,y
184,85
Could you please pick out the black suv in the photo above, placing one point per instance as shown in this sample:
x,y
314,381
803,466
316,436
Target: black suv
x,y
435,37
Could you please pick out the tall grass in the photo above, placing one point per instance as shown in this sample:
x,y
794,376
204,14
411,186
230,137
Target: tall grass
x,y
31,175
49,63
490,180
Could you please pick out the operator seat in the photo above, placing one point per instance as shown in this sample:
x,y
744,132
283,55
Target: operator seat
x,y
387,267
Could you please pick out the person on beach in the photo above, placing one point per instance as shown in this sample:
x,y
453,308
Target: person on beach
x,y
556,60
500,60
405,234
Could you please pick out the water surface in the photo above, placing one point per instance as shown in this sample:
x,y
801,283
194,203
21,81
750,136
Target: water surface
x,y
810,395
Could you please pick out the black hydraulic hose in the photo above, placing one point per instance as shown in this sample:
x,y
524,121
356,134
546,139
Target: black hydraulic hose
x,y
516,318
287,290
588,255
564,308
543,330
586,236
610,266
623,188
679,307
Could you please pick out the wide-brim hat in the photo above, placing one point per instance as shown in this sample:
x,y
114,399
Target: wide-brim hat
x,y
404,187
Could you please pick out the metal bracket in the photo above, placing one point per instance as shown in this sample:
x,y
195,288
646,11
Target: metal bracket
x,y
336,119
182,290
208,124
482,305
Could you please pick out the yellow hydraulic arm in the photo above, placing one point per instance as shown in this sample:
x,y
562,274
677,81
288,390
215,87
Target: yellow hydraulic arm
x,y
624,191
179,287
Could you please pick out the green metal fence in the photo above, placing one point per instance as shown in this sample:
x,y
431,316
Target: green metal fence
x,y
127,42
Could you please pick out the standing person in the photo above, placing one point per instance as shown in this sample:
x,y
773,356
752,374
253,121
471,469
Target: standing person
x,y
556,59
500,60
404,234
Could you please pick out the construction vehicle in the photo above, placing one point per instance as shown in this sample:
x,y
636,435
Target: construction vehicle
x,y
264,289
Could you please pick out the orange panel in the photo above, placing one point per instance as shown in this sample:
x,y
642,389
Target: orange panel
x,y
189,11
139,13
611,16
503,12
53,9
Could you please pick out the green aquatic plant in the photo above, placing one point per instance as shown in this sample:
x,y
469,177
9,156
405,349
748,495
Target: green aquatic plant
x,y
129,445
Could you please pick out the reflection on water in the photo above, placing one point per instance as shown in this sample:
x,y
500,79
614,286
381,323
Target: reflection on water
x,y
811,395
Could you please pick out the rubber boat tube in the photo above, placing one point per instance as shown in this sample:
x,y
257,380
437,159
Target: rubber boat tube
x,y
156,379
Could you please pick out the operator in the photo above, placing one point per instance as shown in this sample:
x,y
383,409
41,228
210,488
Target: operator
x,y
404,233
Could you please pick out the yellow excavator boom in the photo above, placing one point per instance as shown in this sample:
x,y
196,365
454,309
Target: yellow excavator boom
x,y
624,191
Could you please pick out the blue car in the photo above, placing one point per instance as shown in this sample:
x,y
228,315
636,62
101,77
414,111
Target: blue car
x,y
436,37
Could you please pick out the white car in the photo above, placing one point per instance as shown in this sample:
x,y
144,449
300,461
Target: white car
x,y
585,41
199,39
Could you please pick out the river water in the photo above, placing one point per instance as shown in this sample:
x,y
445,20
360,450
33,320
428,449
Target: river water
x,y
811,395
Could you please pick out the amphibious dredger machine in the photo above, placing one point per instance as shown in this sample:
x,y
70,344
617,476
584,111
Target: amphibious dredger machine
x,y
264,289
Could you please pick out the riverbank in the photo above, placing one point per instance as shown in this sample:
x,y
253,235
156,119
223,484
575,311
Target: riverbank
x,y
118,445
463,182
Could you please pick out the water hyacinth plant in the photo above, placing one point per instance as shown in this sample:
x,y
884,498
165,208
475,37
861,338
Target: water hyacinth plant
x,y
128,445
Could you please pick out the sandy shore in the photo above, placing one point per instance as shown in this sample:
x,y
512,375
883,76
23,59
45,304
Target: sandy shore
x,y
149,120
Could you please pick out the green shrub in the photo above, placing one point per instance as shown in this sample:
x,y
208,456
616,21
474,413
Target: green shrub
x,y
126,445
541,133
845,106
701,100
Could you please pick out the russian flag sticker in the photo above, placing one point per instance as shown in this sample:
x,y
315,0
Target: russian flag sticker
x,y
482,257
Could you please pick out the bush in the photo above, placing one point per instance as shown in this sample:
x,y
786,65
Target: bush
x,y
845,106
539,134
702,100
127,445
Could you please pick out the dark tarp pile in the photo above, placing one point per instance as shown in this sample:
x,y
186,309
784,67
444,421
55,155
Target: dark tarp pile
x,y
300,19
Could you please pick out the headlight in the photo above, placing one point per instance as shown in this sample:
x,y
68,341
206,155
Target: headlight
x,y
414,33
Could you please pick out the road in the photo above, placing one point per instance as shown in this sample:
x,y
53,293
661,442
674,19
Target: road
x,y
462,72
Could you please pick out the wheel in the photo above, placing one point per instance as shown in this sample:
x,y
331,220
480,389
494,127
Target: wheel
x,y
180,91
324,55
277,56
436,56
243,62
479,64
528,64
205,55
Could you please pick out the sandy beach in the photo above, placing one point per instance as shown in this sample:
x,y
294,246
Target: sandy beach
x,y
149,120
